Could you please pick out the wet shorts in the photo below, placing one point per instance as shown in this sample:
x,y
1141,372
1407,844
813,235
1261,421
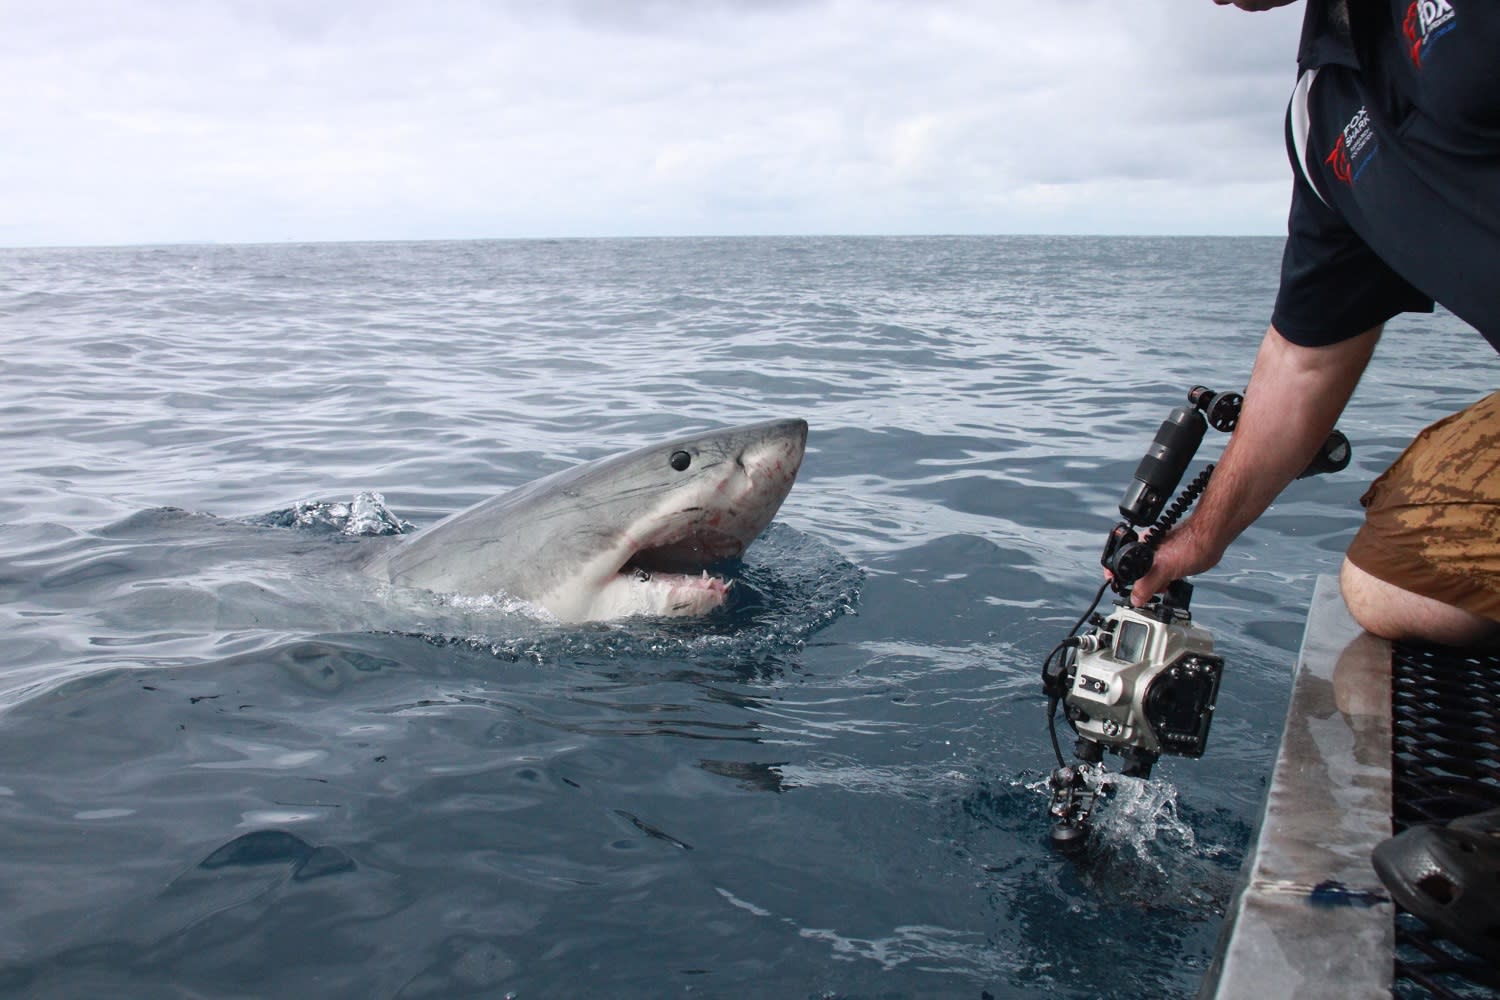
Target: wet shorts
x,y
1432,520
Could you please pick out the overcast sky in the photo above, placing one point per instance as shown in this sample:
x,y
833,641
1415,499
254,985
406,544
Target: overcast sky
x,y
238,121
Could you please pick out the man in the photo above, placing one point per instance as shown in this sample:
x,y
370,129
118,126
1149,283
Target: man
x,y
1394,134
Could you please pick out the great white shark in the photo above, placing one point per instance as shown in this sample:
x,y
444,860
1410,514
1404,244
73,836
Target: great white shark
x,y
634,534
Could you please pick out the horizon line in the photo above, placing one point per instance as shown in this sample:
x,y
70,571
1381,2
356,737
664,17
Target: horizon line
x,y
291,242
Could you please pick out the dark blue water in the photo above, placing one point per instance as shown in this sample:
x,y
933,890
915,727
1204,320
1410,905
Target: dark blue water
x,y
227,767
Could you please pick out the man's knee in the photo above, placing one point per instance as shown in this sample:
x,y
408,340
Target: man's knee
x,y
1369,601
1390,612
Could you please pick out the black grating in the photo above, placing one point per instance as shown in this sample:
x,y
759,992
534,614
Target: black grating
x,y
1445,763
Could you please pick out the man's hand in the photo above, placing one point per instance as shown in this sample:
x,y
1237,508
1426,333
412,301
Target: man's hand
x,y
1254,4
1183,553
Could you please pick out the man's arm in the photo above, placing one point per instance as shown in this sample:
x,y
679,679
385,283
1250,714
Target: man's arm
x,y
1294,398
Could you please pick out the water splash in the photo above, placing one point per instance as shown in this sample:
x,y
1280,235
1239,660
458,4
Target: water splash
x,y
365,516
1140,818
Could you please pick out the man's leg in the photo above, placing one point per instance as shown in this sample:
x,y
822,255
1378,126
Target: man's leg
x,y
1392,613
1426,563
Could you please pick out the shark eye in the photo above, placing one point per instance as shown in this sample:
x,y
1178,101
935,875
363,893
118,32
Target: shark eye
x,y
681,460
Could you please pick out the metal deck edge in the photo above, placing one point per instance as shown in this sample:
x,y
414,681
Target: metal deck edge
x,y
1310,917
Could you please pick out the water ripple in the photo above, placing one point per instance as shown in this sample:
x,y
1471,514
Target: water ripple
x,y
827,789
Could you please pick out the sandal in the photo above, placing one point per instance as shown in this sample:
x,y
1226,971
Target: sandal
x,y
1449,876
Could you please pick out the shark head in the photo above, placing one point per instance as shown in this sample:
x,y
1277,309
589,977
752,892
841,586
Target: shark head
x,y
635,534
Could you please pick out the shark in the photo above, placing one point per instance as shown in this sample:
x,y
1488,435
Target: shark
x,y
639,533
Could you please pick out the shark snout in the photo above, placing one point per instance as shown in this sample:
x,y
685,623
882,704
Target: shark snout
x,y
770,465
777,457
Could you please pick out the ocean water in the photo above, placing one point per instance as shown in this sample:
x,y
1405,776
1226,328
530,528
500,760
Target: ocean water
x,y
229,767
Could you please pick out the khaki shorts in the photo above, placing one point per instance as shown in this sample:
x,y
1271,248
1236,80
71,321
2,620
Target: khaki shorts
x,y
1432,520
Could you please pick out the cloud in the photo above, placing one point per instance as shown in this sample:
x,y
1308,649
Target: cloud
x,y
240,121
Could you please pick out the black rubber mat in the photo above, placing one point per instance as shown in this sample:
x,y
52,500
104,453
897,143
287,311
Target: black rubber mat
x,y
1445,763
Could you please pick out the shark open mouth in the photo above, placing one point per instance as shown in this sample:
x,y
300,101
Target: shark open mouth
x,y
686,582
674,591
685,562
693,553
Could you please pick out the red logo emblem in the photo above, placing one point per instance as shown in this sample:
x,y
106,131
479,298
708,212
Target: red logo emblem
x,y
1411,27
1425,21
1339,161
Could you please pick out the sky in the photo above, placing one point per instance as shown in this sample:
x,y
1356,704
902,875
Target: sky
x,y
158,121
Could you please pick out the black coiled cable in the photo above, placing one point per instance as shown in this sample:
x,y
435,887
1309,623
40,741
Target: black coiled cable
x,y
1177,508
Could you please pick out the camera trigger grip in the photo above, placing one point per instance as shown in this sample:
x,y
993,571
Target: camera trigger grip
x,y
1131,562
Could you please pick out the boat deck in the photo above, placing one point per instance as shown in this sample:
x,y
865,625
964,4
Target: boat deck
x,y
1376,739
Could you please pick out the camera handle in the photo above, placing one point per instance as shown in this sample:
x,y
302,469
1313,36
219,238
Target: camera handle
x,y
1128,557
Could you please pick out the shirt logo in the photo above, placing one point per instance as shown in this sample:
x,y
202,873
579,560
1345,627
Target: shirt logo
x,y
1426,21
1354,148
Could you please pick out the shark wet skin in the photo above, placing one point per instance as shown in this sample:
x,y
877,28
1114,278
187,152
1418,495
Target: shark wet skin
x,y
635,534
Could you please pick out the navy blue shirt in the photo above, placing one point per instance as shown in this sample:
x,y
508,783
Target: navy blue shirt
x,y
1394,135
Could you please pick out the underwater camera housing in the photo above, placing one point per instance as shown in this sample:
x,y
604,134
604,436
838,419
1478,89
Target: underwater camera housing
x,y
1144,681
